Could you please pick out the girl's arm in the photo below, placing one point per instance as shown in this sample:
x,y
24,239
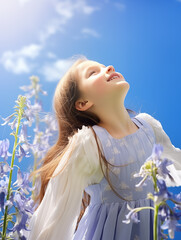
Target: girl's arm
x,y
57,215
169,150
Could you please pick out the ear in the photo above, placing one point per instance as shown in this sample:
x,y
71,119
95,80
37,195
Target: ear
x,y
83,105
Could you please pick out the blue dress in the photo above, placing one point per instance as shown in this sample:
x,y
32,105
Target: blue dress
x,y
103,217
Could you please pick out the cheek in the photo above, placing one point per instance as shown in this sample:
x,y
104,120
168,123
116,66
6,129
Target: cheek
x,y
99,87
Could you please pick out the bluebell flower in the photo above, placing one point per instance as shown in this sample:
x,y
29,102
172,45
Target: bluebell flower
x,y
162,168
13,124
7,119
2,199
51,123
4,168
4,146
3,191
40,143
171,223
162,235
23,182
163,212
177,200
31,113
163,194
34,88
10,202
131,216
23,137
20,224
20,201
21,153
154,163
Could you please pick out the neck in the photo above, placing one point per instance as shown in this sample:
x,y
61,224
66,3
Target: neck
x,y
116,120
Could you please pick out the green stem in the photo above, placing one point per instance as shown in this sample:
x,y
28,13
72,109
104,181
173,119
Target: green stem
x,y
34,177
140,208
35,155
156,207
155,222
5,223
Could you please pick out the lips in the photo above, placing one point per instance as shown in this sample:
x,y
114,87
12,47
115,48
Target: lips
x,y
113,75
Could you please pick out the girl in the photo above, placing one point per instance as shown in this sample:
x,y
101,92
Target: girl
x,y
99,148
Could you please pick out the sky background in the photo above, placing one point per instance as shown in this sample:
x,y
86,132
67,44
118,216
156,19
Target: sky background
x,y
141,39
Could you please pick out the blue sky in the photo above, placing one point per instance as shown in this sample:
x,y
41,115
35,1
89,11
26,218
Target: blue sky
x,y
141,39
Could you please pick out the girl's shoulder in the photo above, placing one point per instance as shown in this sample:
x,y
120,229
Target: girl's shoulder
x,y
83,134
83,140
149,119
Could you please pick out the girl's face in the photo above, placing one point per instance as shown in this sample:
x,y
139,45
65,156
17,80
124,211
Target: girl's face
x,y
95,84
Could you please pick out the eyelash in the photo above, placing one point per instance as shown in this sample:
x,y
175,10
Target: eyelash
x,y
91,73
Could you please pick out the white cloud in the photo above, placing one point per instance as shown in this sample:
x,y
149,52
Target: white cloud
x,y
52,27
66,10
31,51
51,55
91,32
23,2
61,12
89,9
54,71
17,61
120,6
17,66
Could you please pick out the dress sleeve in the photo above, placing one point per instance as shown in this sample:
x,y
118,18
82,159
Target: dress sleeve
x,y
57,215
169,150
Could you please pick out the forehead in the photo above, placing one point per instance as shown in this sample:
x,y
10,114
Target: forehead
x,y
84,66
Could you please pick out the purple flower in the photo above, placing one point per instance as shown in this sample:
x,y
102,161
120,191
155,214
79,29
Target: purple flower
x,y
171,223
23,181
161,235
20,223
33,89
3,191
51,123
4,168
163,193
131,216
4,146
162,168
163,212
157,151
155,164
20,201
23,137
21,153
7,119
2,198
31,112
9,202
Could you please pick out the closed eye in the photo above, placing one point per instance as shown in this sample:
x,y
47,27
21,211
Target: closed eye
x,y
91,73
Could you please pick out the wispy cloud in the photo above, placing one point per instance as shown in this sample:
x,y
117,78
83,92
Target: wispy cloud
x,y
18,61
68,8
65,10
51,55
23,2
55,70
90,32
120,6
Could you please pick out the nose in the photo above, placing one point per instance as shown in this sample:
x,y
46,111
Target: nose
x,y
110,68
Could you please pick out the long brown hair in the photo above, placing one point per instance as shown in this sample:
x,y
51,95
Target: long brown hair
x,y
69,121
